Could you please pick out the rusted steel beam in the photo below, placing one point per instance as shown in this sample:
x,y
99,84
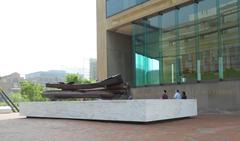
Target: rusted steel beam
x,y
111,88
114,80
75,94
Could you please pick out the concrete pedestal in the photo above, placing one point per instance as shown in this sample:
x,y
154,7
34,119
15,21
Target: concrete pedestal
x,y
112,110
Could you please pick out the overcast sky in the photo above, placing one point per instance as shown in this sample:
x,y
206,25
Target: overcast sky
x,y
46,34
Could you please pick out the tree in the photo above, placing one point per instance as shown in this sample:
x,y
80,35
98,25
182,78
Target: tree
x,y
17,98
72,78
76,79
31,91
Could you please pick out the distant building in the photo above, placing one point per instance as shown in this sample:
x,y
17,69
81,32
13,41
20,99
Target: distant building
x,y
93,69
43,77
10,83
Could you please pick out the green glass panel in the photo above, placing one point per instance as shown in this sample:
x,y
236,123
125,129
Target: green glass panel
x,y
146,45
116,6
138,46
197,42
229,11
208,39
187,44
169,47
152,51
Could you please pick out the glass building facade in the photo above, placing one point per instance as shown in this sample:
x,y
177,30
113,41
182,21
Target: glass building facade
x,y
117,6
193,43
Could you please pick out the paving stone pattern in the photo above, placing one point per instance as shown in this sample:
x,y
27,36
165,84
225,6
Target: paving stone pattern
x,y
209,127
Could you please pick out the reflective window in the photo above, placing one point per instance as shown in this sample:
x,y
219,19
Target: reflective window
x,y
146,52
187,44
116,6
197,42
169,47
230,17
208,39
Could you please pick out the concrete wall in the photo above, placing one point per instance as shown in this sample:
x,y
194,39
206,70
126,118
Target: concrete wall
x,y
101,40
119,55
212,96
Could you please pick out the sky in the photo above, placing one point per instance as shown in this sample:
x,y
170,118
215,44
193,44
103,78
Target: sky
x,y
40,35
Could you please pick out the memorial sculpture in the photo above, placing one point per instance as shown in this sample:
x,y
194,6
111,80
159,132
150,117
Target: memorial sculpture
x,y
110,88
113,108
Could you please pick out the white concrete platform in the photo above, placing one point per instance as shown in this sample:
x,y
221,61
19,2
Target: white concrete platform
x,y
112,110
5,110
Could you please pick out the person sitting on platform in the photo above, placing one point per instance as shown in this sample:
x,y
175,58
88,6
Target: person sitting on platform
x,y
177,95
165,96
184,96
130,97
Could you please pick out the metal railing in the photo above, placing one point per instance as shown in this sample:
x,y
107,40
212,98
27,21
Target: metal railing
x,y
8,101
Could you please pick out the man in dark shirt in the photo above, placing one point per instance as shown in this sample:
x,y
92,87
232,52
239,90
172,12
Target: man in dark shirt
x,y
165,96
184,96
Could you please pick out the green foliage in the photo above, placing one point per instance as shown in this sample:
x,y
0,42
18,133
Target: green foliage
x,y
17,98
31,91
76,79
3,104
72,78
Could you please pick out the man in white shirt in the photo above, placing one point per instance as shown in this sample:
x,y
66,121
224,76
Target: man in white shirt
x,y
177,95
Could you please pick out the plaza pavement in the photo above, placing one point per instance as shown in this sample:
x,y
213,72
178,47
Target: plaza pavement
x,y
208,127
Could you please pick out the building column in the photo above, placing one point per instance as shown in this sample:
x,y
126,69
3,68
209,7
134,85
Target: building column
x,y
101,41
220,41
198,59
133,55
178,62
145,52
238,9
160,49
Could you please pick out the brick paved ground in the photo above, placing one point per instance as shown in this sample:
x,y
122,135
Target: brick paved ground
x,y
203,128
